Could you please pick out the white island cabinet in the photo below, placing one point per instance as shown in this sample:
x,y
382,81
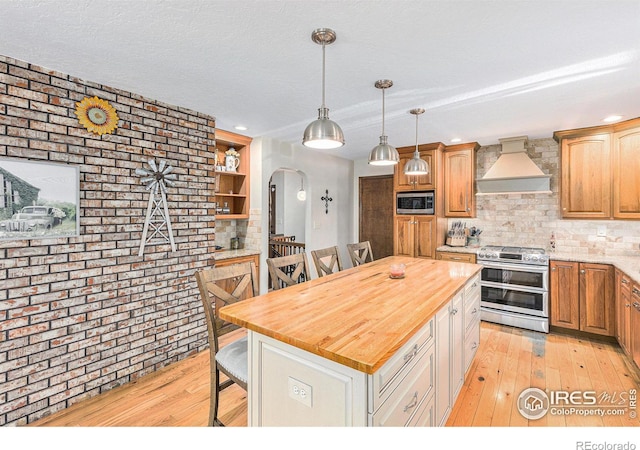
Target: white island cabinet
x,y
350,364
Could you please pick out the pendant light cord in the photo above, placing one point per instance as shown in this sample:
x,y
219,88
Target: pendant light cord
x,y
323,105
417,152
383,89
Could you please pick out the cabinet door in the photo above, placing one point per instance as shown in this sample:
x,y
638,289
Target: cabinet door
x,y
623,310
459,198
443,364
456,347
597,308
626,167
424,227
414,182
635,324
403,244
585,177
565,302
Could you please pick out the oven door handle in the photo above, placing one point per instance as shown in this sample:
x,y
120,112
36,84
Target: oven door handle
x,y
515,267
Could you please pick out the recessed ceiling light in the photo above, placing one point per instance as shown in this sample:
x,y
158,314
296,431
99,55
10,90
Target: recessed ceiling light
x,y
240,127
456,140
613,118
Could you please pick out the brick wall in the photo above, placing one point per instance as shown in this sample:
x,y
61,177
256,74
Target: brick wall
x,y
81,315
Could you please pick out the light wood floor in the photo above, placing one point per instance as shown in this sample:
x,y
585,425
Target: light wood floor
x,y
509,360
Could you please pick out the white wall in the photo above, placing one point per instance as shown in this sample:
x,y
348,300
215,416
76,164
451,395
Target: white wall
x,y
321,172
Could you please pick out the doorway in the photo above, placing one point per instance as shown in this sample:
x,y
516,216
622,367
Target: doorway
x,y
376,214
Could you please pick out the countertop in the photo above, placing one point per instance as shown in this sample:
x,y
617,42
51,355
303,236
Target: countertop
x,y
228,254
628,264
358,317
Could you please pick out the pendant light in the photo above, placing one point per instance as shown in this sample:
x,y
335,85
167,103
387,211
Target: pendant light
x,y
383,154
302,195
323,133
416,166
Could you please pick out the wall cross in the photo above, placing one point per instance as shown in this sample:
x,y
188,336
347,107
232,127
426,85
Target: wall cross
x,y
326,200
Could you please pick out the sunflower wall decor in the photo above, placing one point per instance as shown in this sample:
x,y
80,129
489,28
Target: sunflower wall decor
x,y
97,115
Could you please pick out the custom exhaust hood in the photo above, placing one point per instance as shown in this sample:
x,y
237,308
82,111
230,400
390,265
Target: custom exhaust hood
x,y
514,172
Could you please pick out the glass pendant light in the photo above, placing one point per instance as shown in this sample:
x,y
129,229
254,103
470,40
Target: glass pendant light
x,y
302,195
383,154
416,165
323,133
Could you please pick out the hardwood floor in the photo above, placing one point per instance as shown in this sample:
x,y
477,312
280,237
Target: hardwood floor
x,y
509,360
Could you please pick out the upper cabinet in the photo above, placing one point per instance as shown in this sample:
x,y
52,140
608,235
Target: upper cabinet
x,y
430,153
598,171
232,186
459,180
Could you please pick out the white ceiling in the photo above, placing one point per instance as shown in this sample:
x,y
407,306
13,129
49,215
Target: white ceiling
x,y
483,70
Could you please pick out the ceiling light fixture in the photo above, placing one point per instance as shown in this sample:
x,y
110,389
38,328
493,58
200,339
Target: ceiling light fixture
x,y
613,118
240,128
416,165
323,133
456,140
383,154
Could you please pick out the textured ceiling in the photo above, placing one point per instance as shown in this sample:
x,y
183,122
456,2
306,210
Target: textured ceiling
x,y
483,70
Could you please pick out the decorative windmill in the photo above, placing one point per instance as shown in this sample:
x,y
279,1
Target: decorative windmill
x,y
157,179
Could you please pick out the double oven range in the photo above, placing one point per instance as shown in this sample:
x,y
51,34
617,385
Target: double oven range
x,y
515,286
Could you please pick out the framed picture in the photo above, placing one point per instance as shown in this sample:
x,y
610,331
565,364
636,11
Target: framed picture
x,y
38,200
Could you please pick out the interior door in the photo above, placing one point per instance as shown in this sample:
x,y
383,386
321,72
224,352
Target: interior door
x,y
376,214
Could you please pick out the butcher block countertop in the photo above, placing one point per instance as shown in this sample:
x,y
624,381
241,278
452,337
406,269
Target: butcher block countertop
x,y
358,317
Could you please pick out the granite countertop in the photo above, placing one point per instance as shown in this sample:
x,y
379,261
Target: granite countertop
x,y
628,264
228,254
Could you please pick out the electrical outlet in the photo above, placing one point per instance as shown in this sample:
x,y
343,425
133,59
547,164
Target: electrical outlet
x,y
602,231
300,391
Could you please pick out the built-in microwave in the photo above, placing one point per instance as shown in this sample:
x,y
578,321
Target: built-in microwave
x,y
415,202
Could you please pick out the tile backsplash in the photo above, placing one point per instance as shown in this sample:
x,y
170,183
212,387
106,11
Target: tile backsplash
x,y
249,231
530,219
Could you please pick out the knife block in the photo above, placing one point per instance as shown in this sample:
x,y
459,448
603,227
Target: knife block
x,y
456,241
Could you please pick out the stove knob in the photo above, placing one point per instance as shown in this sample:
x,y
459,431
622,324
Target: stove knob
x,y
544,259
494,256
534,258
481,255
527,257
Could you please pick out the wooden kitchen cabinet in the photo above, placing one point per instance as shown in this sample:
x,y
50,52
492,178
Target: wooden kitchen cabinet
x,y
635,324
414,236
232,188
459,163
623,311
564,291
432,154
582,297
598,171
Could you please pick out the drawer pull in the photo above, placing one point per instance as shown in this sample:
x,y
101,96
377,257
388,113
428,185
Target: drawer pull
x,y
412,353
636,305
475,310
625,281
456,258
636,291
412,403
475,283
454,311
474,346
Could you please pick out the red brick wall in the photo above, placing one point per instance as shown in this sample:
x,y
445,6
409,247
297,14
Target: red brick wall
x,y
81,315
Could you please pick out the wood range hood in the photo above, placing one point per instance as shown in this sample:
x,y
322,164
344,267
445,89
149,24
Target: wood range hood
x,y
514,172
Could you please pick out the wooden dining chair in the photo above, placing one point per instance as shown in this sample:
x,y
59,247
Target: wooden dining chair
x,y
327,260
220,286
360,253
286,271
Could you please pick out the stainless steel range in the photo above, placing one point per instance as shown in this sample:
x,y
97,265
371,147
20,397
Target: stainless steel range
x,y
515,286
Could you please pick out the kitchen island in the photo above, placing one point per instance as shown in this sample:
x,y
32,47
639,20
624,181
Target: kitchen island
x,y
359,348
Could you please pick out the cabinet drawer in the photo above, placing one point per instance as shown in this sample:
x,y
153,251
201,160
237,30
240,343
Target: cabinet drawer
x,y
457,257
472,285
471,344
385,380
400,407
425,416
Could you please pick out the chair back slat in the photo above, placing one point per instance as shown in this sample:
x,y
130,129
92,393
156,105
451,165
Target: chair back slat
x,y
327,260
288,270
360,253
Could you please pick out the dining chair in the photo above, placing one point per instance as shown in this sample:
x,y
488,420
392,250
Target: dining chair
x,y
327,260
360,253
285,271
220,286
